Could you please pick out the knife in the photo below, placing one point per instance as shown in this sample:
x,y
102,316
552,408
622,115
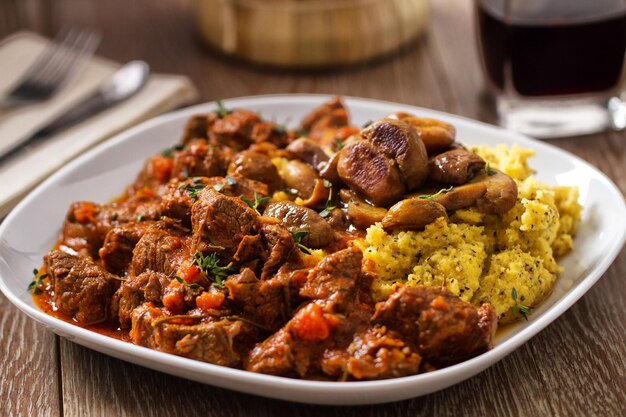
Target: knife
x,y
123,84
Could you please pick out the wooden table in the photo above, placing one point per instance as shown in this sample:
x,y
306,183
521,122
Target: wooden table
x,y
575,367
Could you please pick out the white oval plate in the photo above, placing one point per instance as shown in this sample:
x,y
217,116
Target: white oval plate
x,y
32,227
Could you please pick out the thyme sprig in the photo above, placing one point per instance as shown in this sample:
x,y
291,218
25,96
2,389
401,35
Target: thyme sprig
x,y
221,110
329,207
437,194
488,170
37,281
339,144
297,237
254,205
525,311
210,267
193,189
185,283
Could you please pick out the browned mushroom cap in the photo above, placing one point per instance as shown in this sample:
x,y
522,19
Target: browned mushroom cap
x,y
491,194
328,170
256,166
398,141
307,151
301,219
436,135
360,213
328,115
455,167
370,173
296,174
412,214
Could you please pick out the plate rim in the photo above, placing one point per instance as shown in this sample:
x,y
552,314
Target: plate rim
x,y
438,378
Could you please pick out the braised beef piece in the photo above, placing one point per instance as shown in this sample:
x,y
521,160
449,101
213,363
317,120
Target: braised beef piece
x,y
279,248
307,151
147,286
268,132
334,279
455,167
264,302
195,128
82,289
301,219
162,248
217,341
441,327
374,353
255,166
199,159
327,116
116,252
220,222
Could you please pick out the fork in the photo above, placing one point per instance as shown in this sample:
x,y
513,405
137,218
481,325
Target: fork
x,y
56,66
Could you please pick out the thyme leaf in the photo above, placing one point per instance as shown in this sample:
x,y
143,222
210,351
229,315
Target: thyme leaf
x,y
329,205
525,311
437,194
210,267
221,110
488,170
185,283
192,189
256,203
297,237
35,284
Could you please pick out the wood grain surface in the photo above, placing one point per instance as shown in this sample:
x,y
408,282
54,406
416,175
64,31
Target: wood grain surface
x,y
575,367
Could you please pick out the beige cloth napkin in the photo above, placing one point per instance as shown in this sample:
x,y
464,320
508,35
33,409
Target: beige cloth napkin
x,y
21,173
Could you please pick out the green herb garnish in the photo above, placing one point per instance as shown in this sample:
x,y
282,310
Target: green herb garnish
x,y
525,311
221,110
290,191
437,194
36,282
182,281
329,204
256,203
488,170
297,237
211,269
193,189
168,151
339,143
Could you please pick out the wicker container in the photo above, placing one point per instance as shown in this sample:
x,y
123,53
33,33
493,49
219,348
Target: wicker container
x,y
309,33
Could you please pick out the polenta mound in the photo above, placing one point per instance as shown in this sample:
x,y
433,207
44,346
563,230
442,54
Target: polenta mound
x,y
481,257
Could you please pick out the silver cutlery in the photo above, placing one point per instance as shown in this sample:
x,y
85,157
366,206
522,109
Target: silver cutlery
x,y
57,65
123,84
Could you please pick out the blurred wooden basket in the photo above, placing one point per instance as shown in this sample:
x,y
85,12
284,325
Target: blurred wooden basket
x,y
309,33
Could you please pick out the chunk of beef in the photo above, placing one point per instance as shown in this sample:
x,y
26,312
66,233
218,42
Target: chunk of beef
x,y
334,279
147,286
279,247
261,301
375,353
220,342
443,328
219,221
82,231
308,151
82,289
327,116
162,248
268,132
455,167
301,219
116,252
233,130
195,128
256,166
199,159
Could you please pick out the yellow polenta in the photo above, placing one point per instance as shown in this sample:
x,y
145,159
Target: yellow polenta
x,y
481,257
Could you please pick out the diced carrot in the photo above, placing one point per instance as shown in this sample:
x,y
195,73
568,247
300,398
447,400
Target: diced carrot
x,y
174,299
439,304
310,324
189,272
161,168
346,131
210,300
144,192
85,212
